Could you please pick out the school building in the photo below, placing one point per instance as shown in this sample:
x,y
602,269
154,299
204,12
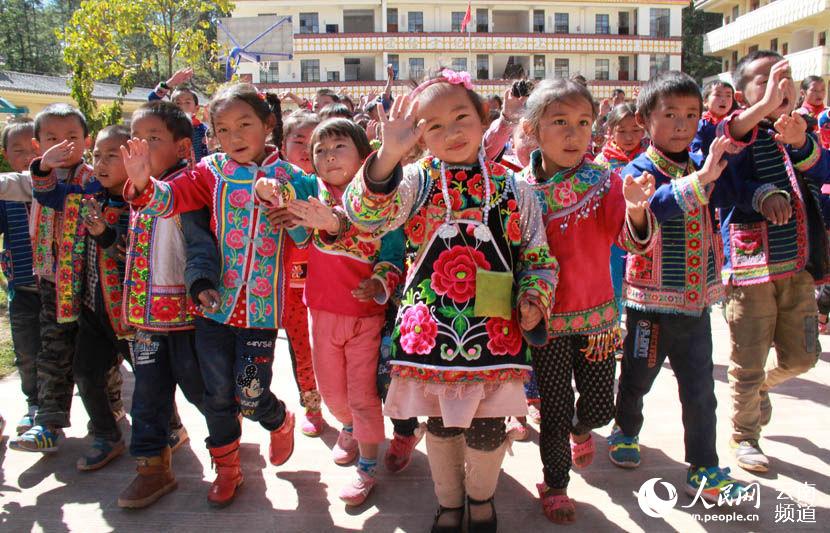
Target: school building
x,y
347,45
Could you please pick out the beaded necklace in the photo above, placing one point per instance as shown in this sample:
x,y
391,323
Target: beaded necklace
x,y
449,228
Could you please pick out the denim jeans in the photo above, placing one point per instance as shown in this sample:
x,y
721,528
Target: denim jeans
x,y
236,366
160,362
687,342
24,310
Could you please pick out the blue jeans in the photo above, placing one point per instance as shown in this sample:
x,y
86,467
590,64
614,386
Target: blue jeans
x,y
160,362
236,366
687,342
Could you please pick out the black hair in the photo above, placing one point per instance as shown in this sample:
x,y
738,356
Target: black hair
x,y
174,119
299,119
59,111
668,83
805,83
341,127
548,92
739,78
116,130
712,85
185,89
264,105
618,113
328,92
617,91
580,79
475,98
14,126
335,110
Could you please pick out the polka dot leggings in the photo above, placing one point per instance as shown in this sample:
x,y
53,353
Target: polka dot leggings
x,y
555,364
484,434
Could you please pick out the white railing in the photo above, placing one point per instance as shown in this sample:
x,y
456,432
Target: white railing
x,y
761,20
813,61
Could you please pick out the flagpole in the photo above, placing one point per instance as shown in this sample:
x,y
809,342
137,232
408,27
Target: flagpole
x,y
471,66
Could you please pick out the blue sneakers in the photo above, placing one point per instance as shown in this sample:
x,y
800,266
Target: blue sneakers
x,y
623,451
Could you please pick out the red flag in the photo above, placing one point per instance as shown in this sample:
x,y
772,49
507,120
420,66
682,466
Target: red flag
x,y
468,16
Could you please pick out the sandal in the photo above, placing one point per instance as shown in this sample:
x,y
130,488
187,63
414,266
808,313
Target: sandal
x,y
447,529
551,503
485,526
580,450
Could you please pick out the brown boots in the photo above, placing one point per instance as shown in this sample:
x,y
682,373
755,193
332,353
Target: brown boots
x,y
154,480
225,460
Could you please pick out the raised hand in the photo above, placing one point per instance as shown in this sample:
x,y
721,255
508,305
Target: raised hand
x,y
58,156
179,77
513,106
400,130
368,289
791,129
314,214
136,156
715,163
93,217
775,89
638,191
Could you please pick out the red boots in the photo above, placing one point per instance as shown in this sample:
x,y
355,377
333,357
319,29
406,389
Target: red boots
x,y
225,460
282,441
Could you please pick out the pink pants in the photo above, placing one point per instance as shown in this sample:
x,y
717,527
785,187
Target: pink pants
x,y
345,350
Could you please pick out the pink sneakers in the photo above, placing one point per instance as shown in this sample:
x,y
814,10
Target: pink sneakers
x,y
345,450
399,454
356,492
312,424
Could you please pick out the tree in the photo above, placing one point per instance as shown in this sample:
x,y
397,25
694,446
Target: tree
x,y
133,40
27,41
695,24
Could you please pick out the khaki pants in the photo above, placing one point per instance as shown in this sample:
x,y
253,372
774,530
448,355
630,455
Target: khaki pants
x,y
783,312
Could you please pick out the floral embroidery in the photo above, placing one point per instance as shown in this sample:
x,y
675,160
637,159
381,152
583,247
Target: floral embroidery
x,y
505,336
418,330
454,272
592,320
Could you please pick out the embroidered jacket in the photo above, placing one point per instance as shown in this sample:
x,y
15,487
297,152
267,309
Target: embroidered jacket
x,y
680,273
252,276
584,213
612,157
338,263
706,132
155,293
59,236
756,251
438,336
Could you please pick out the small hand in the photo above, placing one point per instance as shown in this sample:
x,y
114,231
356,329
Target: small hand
x,y
529,315
400,130
776,84
209,299
57,156
314,214
638,191
373,130
390,72
281,218
715,162
513,106
777,209
268,191
179,77
93,217
137,162
605,107
791,129
369,289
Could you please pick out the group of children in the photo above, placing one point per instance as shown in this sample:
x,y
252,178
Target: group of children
x,y
428,258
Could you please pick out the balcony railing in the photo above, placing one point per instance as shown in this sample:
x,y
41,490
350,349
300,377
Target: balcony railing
x,y
762,20
517,43
813,61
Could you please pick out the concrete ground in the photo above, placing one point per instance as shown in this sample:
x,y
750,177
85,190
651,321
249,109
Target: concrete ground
x,y
46,493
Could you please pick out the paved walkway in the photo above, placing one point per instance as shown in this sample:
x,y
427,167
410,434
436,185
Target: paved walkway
x,y
46,493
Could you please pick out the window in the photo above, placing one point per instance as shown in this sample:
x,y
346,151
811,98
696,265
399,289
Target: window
x,y
773,45
603,26
352,68
561,68
623,23
822,38
785,49
395,61
735,57
624,72
457,19
660,19
539,67
392,19
459,63
753,48
332,28
416,68
538,21
754,4
482,67
270,74
415,21
309,23
560,23
602,69
736,12
309,70
333,75
657,63
482,21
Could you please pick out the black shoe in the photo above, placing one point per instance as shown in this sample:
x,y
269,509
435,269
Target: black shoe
x,y
448,529
486,526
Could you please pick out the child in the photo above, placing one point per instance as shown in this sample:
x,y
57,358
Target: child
x,y
155,303
813,95
719,101
625,142
350,278
235,337
188,101
669,290
59,239
771,265
101,328
459,353
24,300
585,208
296,134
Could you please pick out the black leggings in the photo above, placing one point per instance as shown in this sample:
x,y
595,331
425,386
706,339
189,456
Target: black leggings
x,y
554,365
484,434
